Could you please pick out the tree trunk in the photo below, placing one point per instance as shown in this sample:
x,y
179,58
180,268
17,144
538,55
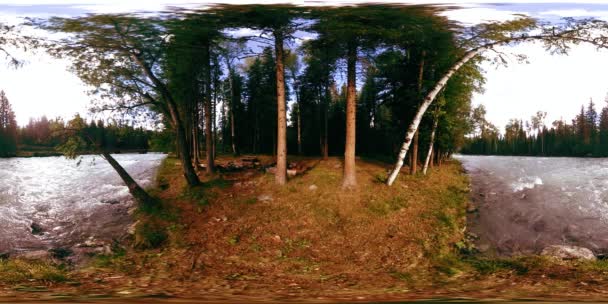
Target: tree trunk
x,y
298,115
281,173
299,118
414,155
542,142
429,155
231,108
210,168
325,122
235,151
170,108
350,173
138,193
430,97
214,108
414,158
195,139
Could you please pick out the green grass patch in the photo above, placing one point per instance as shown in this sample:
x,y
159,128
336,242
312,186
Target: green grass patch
x,y
487,266
385,207
14,271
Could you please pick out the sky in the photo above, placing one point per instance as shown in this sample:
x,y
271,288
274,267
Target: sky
x,y
557,85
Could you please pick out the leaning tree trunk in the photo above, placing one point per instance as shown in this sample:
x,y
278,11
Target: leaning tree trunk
x,y
430,97
138,193
170,108
350,174
210,166
281,172
429,155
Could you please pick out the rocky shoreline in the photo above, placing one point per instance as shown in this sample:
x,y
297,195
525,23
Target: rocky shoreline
x,y
505,223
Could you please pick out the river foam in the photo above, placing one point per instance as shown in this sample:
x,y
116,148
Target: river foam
x,y
526,203
69,201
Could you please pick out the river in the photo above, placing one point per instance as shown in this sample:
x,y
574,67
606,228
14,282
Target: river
x,y
527,203
66,202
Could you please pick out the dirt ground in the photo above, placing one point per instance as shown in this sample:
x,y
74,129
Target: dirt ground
x,y
240,238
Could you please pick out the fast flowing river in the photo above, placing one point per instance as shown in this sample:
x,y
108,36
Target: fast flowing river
x,y
527,203
67,203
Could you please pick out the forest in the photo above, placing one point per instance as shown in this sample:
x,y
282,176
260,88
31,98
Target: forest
x,y
42,136
219,91
371,80
585,136
307,154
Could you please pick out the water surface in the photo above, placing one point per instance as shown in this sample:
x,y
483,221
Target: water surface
x,y
71,202
527,203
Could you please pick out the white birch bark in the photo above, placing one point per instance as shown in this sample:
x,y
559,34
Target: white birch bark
x,y
431,143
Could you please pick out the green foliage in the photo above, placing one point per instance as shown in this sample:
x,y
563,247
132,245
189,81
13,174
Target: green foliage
x,y
8,125
150,234
587,135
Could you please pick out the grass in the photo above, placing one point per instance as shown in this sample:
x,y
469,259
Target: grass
x,y
17,271
322,239
336,231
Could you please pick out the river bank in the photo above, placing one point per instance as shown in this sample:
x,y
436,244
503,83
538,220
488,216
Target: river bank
x,y
240,238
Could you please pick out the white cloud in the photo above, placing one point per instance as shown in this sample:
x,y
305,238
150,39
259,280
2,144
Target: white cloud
x,y
555,84
477,15
43,86
601,14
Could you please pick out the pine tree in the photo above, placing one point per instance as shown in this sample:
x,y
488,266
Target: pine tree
x,y
8,128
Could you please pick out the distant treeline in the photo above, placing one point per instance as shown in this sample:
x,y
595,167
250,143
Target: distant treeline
x,y
41,136
585,135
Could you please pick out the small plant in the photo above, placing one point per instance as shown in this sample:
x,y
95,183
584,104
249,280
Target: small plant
x,y
150,234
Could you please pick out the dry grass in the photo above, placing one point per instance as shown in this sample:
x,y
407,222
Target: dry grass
x,y
16,271
239,237
243,230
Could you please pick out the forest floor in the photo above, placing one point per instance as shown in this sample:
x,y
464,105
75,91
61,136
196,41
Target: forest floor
x,y
239,237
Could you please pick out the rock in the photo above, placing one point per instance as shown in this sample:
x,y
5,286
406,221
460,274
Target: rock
x,y
36,229
292,172
265,198
35,255
61,253
471,208
483,247
271,170
313,188
111,202
566,252
92,243
131,229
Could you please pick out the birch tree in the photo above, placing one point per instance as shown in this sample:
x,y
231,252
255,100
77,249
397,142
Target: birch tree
x,y
489,37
